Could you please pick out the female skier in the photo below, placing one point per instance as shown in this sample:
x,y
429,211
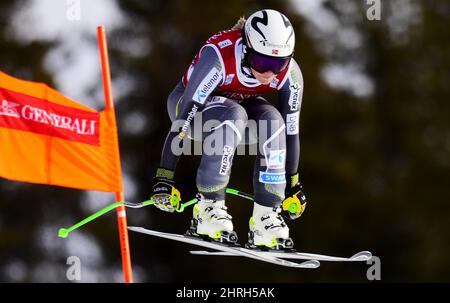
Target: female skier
x,y
224,85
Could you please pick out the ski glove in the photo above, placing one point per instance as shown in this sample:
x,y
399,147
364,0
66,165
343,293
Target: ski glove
x,y
164,193
295,200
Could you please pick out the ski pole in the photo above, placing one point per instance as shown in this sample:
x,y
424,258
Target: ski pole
x,y
290,205
64,232
240,194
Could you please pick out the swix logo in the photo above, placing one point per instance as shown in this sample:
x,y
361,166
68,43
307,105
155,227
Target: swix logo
x,y
27,113
272,178
274,52
9,109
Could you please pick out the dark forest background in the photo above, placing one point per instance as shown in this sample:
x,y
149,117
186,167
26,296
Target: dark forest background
x,y
375,146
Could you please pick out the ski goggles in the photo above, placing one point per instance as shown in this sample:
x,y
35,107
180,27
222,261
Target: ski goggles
x,y
262,63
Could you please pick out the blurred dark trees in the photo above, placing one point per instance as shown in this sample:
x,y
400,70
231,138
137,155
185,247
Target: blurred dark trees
x,y
376,168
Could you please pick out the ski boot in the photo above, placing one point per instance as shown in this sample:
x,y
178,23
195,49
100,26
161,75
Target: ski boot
x,y
268,231
211,221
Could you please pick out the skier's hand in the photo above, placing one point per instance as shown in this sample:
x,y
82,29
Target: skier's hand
x,y
164,193
295,200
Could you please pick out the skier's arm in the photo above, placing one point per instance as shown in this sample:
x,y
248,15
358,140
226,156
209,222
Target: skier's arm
x,y
205,77
207,73
290,102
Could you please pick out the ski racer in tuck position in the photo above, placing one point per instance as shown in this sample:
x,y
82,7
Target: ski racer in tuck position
x,y
225,83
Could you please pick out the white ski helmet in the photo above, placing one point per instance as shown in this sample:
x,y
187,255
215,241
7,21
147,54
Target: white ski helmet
x,y
269,32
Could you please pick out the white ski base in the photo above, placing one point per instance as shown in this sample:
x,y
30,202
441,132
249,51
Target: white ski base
x,y
236,251
361,256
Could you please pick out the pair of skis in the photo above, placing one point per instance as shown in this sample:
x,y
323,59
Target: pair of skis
x,y
273,257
